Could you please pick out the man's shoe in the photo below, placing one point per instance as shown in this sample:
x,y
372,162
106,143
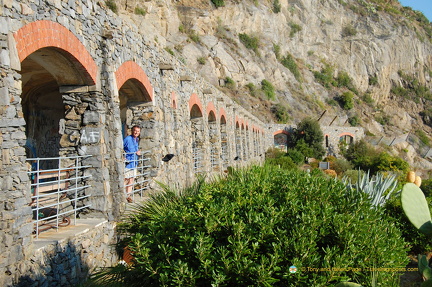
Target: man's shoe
x,y
129,199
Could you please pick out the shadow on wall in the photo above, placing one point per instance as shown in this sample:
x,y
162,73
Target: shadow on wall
x,y
57,265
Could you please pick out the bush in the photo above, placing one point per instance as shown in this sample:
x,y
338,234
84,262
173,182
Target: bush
x,y
229,83
250,42
140,11
250,227
289,62
112,5
268,89
276,6
348,31
284,162
280,113
297,157
346,100
295,28
354,120
417,242
218,3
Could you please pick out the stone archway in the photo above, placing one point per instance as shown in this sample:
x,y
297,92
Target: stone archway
x,y
197,133
54,64
135,95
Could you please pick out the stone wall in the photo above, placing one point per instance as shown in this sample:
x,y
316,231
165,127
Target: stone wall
x,y
96,65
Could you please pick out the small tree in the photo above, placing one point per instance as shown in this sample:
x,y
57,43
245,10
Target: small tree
x,y
309,134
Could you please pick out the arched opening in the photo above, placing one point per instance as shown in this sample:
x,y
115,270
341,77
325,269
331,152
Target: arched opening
x,y
238,141
136,109
46,111
224,142
197,136
213,138
280,139
54,83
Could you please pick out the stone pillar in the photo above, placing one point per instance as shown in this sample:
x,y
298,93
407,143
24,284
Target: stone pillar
x,y
16,224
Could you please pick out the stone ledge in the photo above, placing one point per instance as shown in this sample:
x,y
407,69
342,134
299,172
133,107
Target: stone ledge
x,y
65,233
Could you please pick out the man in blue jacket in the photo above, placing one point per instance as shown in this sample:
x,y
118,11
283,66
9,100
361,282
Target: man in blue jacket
x,y
131,148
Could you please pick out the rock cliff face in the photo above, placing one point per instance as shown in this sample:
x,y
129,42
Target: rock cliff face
x,y
371,42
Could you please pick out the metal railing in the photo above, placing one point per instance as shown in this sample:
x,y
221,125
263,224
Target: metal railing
x,y
58,192
142,176
197,159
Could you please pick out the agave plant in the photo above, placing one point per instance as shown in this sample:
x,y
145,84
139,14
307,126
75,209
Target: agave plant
x,y
378,187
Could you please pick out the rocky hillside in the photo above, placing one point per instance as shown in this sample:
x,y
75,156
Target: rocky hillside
x,y
369,62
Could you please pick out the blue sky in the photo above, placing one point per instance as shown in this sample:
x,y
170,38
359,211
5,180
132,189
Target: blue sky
x,y
425,6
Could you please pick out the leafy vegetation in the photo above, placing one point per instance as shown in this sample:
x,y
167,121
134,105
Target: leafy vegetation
x,y
140,11
249,228
308,138
289,62
348,31
250,42
362,155
218,3
229,83
276,6
268,89
111,4
295,28
346,100
201,60
281,113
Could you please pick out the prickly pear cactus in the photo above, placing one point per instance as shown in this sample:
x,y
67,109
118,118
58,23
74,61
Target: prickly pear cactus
x,y
410,176
416,208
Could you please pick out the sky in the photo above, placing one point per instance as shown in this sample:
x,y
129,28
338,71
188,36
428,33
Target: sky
x,y
425,6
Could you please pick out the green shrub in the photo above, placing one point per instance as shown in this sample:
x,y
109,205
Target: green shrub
x,y
276,50
354,120
284,162
250,227
280,113
274,153
348,31
276,6
252,89
229,83
373,81
346,100
201,60
289,62
250,42
182,28
218,3
140,11
325,76
295,28
268,89
367,98
344,80
422,136
297,157
194,37
171,52
111,4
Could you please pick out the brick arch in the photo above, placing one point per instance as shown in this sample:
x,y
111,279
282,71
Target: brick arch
x,y
131,70
222,114
45,34
211,108
346,134
194,100
280,132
